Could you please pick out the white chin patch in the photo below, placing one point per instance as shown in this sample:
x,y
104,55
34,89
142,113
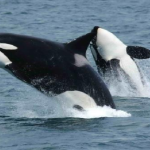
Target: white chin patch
x,y
80,60
110,46
6,46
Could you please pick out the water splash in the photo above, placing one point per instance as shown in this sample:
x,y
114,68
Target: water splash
x,y
62,107
98,112
124,87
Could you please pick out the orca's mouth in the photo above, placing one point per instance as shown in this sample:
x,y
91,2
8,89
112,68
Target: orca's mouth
x,y
93,42
94,48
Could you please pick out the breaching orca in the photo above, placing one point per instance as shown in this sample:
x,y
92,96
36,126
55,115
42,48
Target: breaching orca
x,y
111,54
53,68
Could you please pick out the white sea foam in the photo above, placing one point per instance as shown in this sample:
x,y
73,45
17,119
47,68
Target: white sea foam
x,y
55,112
62,107
98,112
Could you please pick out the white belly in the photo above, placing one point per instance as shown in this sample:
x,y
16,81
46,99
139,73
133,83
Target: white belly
x,y
130,68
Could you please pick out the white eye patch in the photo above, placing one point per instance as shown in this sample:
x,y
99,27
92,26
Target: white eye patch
x,y
6,46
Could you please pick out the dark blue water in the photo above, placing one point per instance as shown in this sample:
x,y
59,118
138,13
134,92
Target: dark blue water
x,y
27,122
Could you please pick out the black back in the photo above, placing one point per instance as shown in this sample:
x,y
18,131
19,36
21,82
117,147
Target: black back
x,y
50,66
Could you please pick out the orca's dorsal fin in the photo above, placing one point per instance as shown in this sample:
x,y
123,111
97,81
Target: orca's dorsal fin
x,y
81,44
138,52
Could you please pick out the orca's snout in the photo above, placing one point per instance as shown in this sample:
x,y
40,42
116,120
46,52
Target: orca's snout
x,y
95,29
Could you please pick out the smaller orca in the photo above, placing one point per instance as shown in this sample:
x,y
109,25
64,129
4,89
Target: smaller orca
x,y
52,67
112,55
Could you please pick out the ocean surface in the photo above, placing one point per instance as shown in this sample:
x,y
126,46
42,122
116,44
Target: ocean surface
x,y
30,120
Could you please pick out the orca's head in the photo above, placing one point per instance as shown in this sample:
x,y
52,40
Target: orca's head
x,y
110,47
106,44
104,37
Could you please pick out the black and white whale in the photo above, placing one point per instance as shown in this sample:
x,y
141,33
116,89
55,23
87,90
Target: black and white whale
x,y
111,54
53,68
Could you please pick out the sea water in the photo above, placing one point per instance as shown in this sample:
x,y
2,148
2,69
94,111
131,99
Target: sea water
x,y
30,120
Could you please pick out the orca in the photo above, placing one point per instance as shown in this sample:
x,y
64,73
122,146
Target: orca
x,y
52,67
112,55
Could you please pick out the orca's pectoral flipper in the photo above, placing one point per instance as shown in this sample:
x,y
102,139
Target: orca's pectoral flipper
x,y
138,52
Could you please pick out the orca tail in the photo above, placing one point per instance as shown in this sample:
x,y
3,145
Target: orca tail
x,y
138,52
